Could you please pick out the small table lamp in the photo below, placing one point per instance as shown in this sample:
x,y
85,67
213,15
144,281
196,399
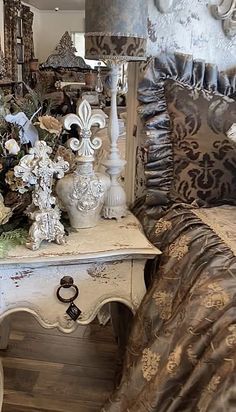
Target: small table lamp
x,y
115,32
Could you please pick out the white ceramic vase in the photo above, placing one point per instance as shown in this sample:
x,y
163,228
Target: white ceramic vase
x,y
82,192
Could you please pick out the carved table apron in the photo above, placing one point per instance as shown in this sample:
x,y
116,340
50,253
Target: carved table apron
x,y
106,264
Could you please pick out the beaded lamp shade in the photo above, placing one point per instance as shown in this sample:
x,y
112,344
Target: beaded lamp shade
x,y
115,29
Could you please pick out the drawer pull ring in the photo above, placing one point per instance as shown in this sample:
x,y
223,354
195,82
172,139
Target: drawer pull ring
x,y
66,283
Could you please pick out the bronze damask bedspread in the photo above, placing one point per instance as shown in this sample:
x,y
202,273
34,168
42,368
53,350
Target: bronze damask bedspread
x,y
182,350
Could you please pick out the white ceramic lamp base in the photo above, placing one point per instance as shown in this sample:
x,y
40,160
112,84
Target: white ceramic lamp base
x,y
115,205
115,201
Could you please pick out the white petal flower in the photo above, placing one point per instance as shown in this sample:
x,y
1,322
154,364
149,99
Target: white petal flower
x,y
12,147
232,133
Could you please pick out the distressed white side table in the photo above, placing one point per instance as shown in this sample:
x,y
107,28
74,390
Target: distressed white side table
x,y
106,264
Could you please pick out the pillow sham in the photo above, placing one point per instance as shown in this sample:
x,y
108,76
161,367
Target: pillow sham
x,y
204,158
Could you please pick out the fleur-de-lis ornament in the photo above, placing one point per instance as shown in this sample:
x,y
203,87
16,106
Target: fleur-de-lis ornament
x,y
38,170
82,192
85,120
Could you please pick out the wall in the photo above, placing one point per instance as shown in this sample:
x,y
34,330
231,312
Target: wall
x,y
50,27
36,29
190,28
1,24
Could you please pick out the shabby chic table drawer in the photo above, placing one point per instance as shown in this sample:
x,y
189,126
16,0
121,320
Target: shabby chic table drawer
x,y
34,289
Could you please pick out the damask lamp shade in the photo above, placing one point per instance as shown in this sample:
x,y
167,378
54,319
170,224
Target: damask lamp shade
x,y
115,29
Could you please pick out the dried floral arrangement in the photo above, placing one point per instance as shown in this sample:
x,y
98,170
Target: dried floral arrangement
x,y
23,121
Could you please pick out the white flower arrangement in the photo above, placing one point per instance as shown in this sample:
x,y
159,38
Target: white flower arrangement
x,y
12,147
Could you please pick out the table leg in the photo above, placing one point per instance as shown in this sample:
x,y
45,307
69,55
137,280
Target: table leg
x,y
1,384
5,328
121,317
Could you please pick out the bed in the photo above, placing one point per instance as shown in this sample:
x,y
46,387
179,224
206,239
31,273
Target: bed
x,y
181,354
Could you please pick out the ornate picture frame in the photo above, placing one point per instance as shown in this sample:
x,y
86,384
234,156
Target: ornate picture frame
x,y
226,11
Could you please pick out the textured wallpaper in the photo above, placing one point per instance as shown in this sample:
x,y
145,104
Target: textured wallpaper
x,y
190,28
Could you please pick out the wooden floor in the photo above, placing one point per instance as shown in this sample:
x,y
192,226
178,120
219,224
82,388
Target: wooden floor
x,y
48,371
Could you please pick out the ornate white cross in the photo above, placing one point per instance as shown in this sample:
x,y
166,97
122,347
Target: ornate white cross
x,y
37,169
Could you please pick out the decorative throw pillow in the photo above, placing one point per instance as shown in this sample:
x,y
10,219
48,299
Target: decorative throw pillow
x,y
204,157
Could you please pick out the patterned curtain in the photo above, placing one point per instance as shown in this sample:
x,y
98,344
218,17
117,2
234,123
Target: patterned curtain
x,y
27,31
11,11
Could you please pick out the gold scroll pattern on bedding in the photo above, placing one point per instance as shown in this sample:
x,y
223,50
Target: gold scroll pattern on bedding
x,y
222,220
181,354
